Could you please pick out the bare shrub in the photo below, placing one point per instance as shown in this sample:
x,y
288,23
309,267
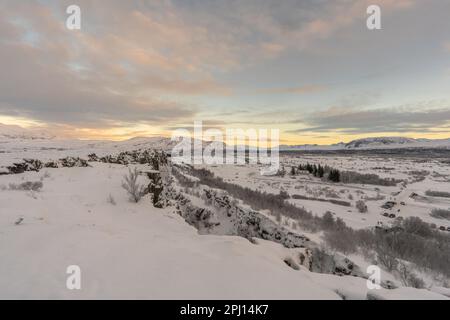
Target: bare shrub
x,y
387,259
27,186
409,278
130,184
322,260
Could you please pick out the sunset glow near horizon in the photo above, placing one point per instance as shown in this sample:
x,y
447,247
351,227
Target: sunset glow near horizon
x,y
311,69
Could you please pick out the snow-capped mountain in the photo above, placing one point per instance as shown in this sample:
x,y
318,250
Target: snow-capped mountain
x,y
380,141
13,133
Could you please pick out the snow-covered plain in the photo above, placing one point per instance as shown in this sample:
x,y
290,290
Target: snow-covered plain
x,y
133,250
434,174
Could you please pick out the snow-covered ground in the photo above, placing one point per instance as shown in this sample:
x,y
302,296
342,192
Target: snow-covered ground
x,y
436,176
132,250
83,217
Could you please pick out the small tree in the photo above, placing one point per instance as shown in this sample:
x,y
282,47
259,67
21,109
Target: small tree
x,y
334,175
130,184
408,277
292,171
328,220
320,171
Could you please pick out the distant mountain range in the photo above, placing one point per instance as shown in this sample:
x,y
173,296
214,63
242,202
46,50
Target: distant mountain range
x,y
17,132
8,132
375,143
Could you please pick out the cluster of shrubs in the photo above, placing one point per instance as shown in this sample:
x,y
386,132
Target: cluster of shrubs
x,y
318,171
442,194
335,175
440,214
367,178
410,239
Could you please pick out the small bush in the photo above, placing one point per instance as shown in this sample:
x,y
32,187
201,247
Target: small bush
x,y
130,184
361,206
387,259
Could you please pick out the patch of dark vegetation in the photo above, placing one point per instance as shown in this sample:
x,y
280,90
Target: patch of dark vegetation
x,y
319,171
152,157
411,239
440,214
335,175
367,178
155,187
442,194
334,201
27,186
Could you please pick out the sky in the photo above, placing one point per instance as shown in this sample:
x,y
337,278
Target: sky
x,y
310,68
